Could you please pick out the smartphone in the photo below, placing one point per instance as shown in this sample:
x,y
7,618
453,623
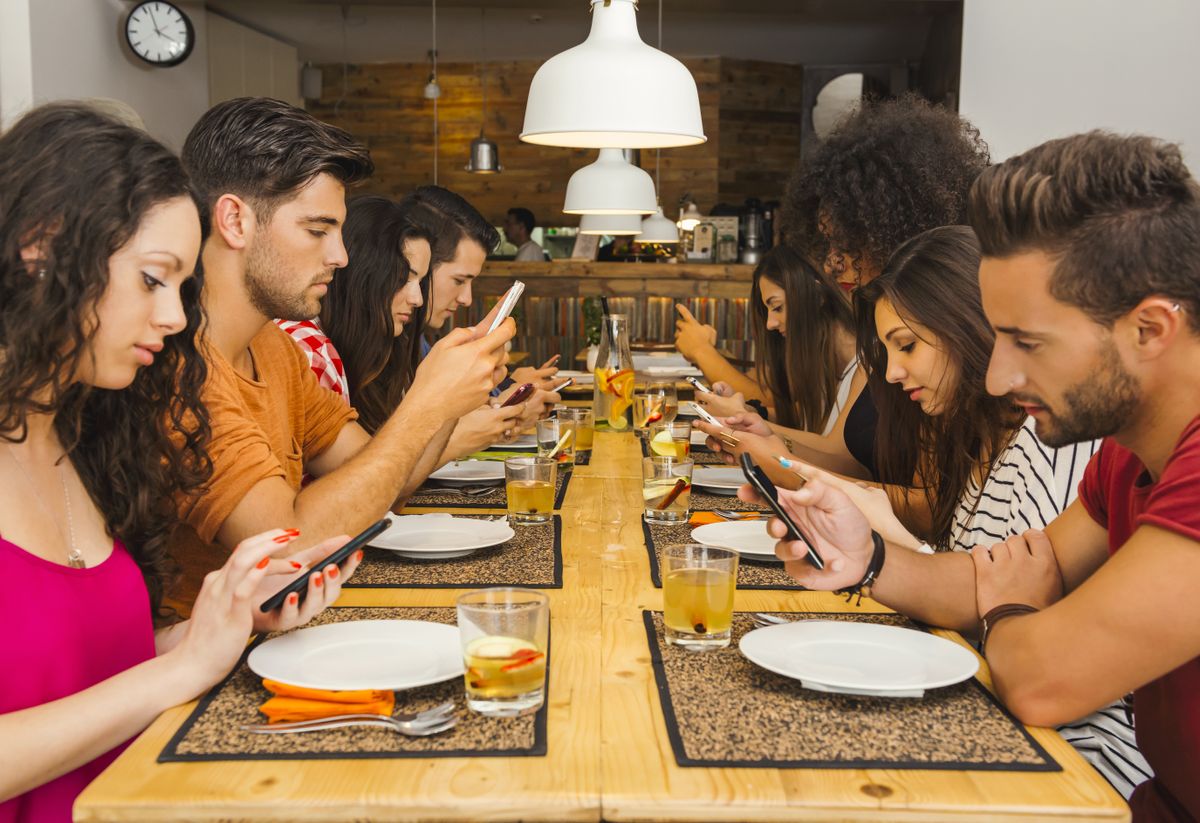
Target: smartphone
x,y
519,396
507,304
553,361
706,416
763,485
700,387
300,584
563,384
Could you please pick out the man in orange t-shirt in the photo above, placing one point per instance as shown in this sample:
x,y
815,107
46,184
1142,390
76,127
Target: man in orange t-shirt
x,y
274,179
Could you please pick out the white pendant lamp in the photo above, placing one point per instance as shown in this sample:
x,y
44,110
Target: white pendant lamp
x,y
612,224
690,217
567,96
658,229
610,186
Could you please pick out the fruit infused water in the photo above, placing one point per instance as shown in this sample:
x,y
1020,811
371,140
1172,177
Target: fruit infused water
x,y
505,633
503,668
666,489
698,583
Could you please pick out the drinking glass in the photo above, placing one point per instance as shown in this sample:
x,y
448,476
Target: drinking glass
x,y
505,634
666,489
671,439
647,410
584,422
549,432
698,583
529,484
665,389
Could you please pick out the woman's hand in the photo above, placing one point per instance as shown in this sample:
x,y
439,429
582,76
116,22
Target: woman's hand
x,y
723,401
539,405
324,586
838,531
541,378
487,425
692,336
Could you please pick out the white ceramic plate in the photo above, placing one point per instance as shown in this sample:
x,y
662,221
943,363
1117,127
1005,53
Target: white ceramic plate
x,y
715,478
699,438
582,378
440,536
859,658
362,654
470,472
746,537
524,441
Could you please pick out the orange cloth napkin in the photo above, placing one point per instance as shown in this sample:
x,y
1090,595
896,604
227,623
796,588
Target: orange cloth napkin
x,y
299,703
704,518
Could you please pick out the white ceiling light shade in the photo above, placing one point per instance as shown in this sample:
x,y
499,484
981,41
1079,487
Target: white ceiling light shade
x,y
610,186
658,229
690,217
613,224
564,98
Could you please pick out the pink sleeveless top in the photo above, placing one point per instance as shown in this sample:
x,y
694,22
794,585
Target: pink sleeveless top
x,y
63,630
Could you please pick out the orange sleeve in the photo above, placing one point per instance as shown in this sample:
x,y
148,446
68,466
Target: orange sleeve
x,y
241,456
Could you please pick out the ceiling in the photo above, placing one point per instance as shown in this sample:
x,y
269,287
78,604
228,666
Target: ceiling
x,y
811,9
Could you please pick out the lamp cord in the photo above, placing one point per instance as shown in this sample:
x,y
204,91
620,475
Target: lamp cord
x,y
435,99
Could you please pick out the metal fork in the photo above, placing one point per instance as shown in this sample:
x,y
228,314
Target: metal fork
x,y
420,724
732,515
762,620
468,491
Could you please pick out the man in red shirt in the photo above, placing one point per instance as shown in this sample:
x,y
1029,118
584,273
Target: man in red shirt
x,y
1091,280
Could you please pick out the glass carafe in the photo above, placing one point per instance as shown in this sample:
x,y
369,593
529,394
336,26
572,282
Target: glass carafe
x,y
612,401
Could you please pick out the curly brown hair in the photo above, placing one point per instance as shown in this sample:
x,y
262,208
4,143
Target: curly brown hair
x,y
75,185
889,171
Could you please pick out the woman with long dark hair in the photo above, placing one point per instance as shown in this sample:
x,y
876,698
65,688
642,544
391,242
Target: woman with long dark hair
x,y
101,428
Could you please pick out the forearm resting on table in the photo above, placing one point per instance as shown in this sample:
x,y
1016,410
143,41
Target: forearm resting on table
x,y
431,459
827,452
717,369
45,742
938,589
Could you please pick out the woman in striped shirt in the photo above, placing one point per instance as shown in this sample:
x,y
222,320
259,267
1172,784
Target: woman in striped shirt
x,y
925,342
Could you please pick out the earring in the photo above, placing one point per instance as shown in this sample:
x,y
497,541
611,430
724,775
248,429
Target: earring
x,y
41,275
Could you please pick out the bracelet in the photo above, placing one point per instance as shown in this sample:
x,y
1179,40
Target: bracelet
x,y
759,407
997,614
874,567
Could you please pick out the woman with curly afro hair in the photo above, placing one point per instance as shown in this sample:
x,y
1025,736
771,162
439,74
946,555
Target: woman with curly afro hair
x,y
889,171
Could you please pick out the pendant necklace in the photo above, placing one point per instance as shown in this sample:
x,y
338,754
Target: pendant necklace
x,y
74,555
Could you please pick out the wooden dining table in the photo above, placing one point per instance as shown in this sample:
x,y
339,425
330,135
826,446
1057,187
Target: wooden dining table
x,y
608,754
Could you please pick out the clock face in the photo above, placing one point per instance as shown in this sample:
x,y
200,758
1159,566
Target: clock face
x,y
159,33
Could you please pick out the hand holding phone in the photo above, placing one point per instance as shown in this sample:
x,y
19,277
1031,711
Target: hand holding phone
x,y
507,304
763,485
563,385
299,586
698,384
519,396
726,436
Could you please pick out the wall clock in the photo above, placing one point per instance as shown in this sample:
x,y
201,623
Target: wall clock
x,y
159,33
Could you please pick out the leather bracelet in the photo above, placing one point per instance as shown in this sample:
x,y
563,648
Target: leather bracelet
x,y
997,614
874,567
759,407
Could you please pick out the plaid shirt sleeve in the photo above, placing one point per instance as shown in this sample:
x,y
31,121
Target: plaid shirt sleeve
x,y
323,357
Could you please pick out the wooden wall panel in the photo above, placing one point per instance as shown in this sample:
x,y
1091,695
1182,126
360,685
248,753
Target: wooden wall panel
x,y
760,117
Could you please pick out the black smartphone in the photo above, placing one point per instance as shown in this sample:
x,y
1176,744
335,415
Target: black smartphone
x,y
300,584
763,485
519,396
700,387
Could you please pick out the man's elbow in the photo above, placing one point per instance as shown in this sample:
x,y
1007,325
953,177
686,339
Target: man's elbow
x,y
1047,703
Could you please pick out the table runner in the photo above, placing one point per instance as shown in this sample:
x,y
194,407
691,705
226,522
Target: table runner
x,y
211,731
722,710
752,574
448,497
533,557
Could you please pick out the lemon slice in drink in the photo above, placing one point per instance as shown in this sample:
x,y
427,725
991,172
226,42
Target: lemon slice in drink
x,y
497,647
663,445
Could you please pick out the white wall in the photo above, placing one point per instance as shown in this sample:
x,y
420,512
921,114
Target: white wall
x,y
16,60
1037,69
245,63
79,51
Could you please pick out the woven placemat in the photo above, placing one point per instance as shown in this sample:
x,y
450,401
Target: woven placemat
x,y
703,501
752,574
533,557
722,710
439,495
211,731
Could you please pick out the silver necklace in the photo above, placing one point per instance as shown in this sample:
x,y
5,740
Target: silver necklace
x,y
74,555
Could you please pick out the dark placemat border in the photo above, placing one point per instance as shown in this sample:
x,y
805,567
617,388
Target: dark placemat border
x,y
538,749
656,573
414,502
681,758
556,547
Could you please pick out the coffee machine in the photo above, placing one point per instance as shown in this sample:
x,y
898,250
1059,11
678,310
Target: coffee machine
x,y
752,232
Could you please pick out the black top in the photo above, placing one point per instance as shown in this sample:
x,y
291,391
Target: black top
x,y
859,432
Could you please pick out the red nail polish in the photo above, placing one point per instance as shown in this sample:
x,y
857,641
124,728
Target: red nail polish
x,y
292,532
283,538
333,573
358,556
262,564
296,565
318,581
293,599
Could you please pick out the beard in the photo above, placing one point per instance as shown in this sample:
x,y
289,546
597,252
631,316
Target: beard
x,y
1096,407
270,289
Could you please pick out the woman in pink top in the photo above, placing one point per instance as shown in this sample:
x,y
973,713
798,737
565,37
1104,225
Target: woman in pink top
x,y
99,384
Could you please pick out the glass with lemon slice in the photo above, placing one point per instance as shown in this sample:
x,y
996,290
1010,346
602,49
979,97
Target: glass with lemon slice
x,y
666,489
505,636
671,439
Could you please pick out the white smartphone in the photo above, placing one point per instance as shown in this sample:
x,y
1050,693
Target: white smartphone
x,y
724,435
507,304
700,387
704,415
